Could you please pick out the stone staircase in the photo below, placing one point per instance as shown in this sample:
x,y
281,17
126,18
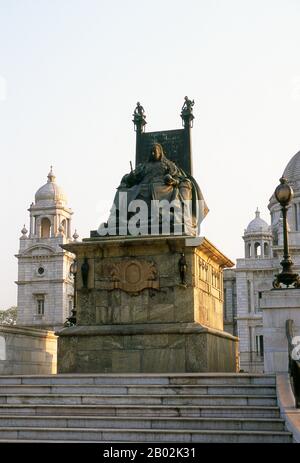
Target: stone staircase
x,y
177,408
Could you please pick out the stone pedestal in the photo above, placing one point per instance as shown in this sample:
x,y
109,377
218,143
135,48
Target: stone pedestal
x,y
135,314
278,306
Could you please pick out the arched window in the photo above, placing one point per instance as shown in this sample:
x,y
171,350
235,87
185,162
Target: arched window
x,y
45,228
266,249
259,345
257,249
2,348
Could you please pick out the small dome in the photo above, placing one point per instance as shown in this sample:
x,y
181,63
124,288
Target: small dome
x,y
292,170
50,192
257,225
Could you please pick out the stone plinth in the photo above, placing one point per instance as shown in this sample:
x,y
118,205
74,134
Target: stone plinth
x,y
135,315
145,348
278,306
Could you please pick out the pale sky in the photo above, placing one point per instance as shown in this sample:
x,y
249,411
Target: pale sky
x,y
71,72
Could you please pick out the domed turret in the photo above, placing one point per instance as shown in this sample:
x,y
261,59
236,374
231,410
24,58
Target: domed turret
x,y
50,193
257,225
49,214
45,288
258,238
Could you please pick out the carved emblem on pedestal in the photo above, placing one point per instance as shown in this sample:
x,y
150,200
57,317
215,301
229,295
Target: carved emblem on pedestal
x,y
131,275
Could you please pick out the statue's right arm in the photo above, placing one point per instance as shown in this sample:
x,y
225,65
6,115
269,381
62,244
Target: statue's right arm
x,y
133,178
138,173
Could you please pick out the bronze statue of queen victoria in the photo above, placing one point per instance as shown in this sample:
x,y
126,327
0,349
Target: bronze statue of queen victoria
x,y
169,194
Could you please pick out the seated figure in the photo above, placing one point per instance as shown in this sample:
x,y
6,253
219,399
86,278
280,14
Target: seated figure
x,y
169,196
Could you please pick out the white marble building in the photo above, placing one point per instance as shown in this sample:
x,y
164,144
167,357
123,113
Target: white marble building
x,y
45,285
254,273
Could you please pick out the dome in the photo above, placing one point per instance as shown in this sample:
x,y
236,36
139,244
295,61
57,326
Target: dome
x,y
257,225
50,192
292,170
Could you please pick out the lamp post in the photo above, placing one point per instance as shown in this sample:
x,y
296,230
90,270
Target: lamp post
x,y
284,194
72,319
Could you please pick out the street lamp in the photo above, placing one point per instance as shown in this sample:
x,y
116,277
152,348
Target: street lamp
x,y
284,194
72,319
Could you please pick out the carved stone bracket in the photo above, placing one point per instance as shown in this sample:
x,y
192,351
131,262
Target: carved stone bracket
x,y
130,275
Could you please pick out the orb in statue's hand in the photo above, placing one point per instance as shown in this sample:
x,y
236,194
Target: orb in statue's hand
x,y
168,179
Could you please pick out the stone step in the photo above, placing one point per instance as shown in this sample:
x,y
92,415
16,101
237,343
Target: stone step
x,y
138,399
139,435
142,410
222,389
83,422
147,379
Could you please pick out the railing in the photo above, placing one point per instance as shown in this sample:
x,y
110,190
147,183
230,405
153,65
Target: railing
x,y
294,364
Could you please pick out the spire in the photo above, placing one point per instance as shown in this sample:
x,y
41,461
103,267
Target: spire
x,y
51,176
257,213
24,232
